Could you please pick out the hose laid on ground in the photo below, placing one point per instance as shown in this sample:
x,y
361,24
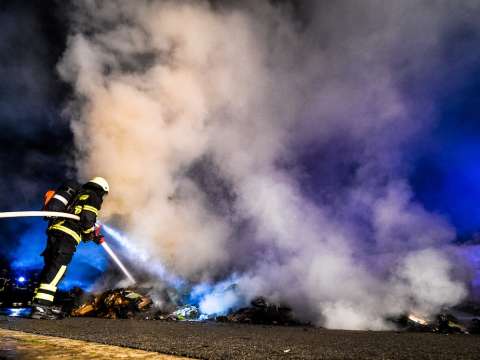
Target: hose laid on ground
x,y
13,214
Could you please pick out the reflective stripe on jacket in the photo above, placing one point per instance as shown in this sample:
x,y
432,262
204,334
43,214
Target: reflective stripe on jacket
x,y
86,205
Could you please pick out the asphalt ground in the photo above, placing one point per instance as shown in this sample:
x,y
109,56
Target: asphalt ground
x,y
237,341
22,345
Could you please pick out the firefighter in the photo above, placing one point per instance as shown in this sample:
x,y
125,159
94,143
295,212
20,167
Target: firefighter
x,y
63,237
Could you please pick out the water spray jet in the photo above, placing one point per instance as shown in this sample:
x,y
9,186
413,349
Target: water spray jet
x,y
156,268
117,261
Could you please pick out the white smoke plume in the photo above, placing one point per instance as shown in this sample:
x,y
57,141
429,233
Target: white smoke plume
x,y
201,114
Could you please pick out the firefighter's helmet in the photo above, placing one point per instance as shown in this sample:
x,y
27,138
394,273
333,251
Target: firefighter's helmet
x,y
100,182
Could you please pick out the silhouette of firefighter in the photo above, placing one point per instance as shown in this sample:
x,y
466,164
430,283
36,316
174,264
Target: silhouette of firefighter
x,y
64,235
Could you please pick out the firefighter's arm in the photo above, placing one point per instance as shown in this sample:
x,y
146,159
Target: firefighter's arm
x,y
88,217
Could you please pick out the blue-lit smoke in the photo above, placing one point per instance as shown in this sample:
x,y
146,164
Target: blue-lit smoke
x,y
452,185
211,299
471,256
217,299
32,242
140,256
88,263
446,178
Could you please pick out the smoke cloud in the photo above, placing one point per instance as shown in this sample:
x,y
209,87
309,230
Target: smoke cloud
x,y
271,146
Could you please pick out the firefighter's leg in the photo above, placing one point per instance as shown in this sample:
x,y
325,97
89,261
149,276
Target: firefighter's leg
x,y
57,256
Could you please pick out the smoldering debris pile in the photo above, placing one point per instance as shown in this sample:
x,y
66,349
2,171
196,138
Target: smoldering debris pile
x,y
443,323
138,304
261,312
114,304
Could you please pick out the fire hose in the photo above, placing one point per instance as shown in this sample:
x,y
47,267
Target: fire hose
x,y
106,247
14,214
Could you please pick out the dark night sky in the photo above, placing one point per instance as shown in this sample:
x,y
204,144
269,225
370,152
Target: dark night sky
x,y
36,143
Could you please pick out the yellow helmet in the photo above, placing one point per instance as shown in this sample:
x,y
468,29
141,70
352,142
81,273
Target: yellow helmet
x,y
101,182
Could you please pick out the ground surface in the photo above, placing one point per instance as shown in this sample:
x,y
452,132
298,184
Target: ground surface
x,y
22,345
234,341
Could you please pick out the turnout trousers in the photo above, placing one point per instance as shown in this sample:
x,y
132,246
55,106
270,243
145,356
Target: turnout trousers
x,y
57,256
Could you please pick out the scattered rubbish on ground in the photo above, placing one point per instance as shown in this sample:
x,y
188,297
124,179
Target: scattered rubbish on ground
x,y
136,303
114,304
127,303
443,323
474,327
449,324
187,312
261,312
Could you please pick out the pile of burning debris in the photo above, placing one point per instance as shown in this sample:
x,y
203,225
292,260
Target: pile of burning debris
x,y
136,303
261,312
114,304
443,323
131,304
